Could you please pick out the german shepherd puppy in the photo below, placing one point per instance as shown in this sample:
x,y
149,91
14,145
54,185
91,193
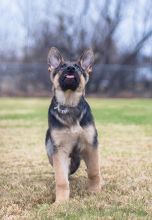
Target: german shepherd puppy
x,y
71,135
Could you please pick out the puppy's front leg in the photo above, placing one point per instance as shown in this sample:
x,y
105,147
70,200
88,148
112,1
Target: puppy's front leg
x,y
91,158
61,168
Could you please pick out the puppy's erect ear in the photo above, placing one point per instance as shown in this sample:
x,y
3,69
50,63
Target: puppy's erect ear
x,y
87,59
54,58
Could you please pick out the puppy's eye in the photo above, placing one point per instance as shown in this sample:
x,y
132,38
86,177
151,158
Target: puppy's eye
x,y
77,66
63,65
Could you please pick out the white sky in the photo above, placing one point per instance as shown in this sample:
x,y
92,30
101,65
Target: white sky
x,y
12,23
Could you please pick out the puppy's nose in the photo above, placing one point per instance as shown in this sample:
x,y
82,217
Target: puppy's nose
x,y
71,69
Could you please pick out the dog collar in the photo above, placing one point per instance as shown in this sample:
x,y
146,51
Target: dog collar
x,y
78,111
61,109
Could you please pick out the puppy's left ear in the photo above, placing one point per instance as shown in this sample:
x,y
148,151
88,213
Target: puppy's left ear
x,y
87,60
54,58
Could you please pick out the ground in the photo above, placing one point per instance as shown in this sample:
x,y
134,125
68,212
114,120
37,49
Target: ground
x,y
27,187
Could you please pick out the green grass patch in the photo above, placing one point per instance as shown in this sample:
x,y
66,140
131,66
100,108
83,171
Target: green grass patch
x,y
27,185
105,111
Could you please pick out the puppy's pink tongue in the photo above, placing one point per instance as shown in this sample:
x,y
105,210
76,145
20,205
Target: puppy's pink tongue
x,y
69,76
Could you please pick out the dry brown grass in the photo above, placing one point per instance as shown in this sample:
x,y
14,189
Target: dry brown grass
x,y
27,180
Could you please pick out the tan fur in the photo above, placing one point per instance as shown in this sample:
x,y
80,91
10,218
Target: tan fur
x,y
67,137
68,98
92,160
88,134
61,164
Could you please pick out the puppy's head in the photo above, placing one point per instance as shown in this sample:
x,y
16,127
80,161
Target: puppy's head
x,y
67,75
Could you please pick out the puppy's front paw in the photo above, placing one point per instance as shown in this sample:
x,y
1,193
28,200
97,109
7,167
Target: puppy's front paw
x,y
61,200
94,188
94,184
62,196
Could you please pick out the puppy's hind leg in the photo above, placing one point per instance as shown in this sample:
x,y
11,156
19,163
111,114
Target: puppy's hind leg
x,y
49,146
75,160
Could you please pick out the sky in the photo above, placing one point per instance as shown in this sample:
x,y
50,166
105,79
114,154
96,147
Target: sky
x,y
14,18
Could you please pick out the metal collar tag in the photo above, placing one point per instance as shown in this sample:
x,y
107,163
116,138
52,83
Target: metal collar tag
x,y
60,110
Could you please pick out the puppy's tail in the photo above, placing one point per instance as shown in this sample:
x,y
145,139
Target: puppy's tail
x,y
75,161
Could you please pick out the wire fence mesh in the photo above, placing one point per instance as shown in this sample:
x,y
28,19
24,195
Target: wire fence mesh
x,y
32,79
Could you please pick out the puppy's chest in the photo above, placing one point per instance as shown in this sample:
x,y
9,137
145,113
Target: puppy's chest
x,y
72,126
74,135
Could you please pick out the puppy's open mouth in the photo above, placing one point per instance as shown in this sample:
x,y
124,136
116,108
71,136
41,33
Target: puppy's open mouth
x,y
69,76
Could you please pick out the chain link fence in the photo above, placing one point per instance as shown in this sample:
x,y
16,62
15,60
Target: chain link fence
x,y
32,79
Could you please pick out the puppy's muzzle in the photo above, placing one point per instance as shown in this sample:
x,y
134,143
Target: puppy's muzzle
x,y
70,72
69,79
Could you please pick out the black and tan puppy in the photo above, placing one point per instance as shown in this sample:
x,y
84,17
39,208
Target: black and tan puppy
x,y
71,135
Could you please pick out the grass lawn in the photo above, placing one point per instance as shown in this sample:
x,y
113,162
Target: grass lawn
x,y
27,187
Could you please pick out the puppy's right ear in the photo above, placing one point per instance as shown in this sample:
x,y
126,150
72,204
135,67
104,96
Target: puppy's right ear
x,y
54,58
